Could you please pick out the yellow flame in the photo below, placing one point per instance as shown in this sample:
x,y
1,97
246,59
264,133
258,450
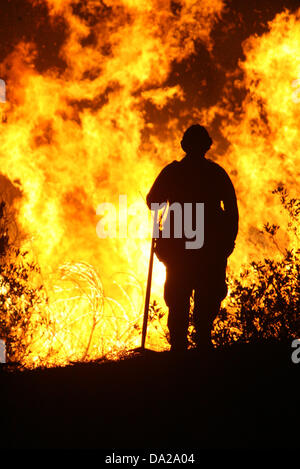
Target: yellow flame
x,y
77,137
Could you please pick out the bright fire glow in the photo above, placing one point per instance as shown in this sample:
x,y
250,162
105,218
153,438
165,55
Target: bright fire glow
x,y
73,139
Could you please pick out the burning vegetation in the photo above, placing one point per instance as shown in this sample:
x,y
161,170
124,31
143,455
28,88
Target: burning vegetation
x,y
100,116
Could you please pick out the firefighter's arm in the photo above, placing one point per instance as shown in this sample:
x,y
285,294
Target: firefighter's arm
x,y
159,191
231,213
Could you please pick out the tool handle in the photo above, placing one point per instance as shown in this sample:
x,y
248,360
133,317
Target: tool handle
x,y
148,291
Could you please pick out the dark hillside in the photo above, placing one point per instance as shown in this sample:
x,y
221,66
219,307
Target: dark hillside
x,y
245,396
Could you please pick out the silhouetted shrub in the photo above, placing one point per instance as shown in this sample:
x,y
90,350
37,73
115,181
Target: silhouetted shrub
x,y
19,297
264,299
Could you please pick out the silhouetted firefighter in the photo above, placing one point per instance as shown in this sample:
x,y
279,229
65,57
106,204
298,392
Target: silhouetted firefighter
x,y
185,186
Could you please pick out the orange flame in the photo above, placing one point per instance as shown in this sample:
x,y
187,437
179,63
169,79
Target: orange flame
x,y
77,137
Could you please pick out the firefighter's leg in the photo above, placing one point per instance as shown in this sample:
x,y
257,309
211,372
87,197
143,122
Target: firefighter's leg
x,y
209,293
177,297
205,311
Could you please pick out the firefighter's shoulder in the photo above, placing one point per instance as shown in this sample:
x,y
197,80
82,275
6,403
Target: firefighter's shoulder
x,y
170,169
216,168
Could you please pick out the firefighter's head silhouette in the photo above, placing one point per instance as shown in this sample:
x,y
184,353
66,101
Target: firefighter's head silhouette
x,y
196,140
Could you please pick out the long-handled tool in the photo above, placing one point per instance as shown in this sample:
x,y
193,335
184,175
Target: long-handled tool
x,y
148,292
148,288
